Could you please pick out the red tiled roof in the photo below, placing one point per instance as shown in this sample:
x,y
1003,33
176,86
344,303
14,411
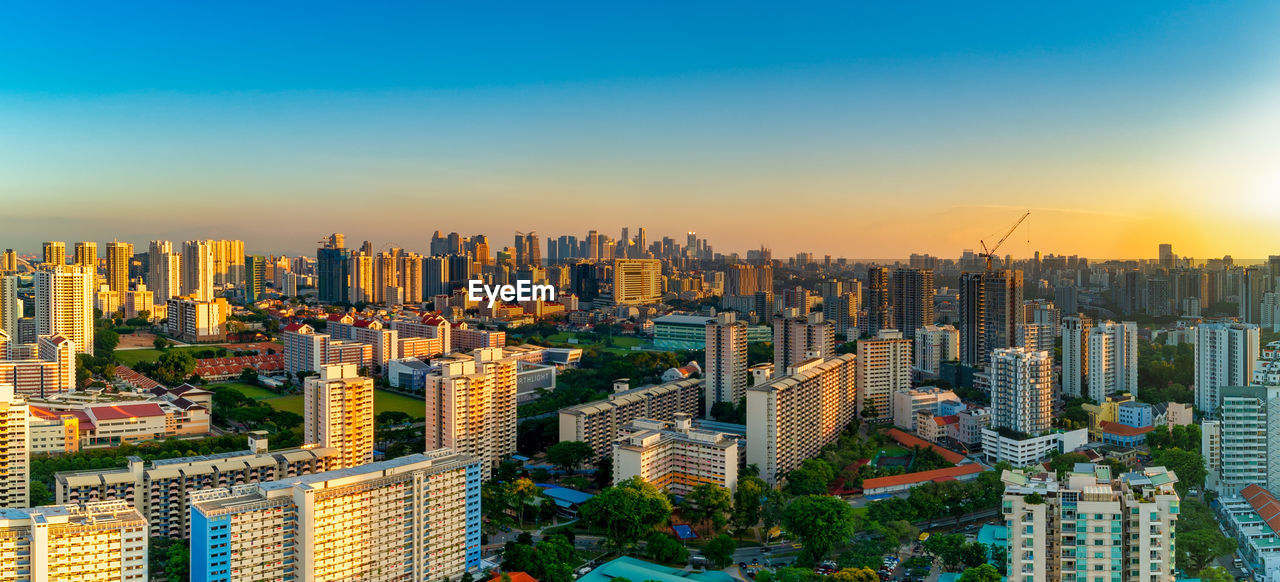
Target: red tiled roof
x,y
909,440
294,326
945,420
86,423
515,577
126,411
1264,503
921,476
1123,430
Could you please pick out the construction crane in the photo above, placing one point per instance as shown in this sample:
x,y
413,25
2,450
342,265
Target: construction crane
x,y
989,253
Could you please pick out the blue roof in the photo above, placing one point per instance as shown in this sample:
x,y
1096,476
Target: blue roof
x,y
564,496
636,570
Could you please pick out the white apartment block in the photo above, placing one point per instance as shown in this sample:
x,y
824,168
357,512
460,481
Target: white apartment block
x,y
1113,360
674,456
936,344
1022,451
1225,356
1092,525
726,360
908,402
104,541
1021,390
414,518
884,367
15,446
337,413
1237,445
1075,354
798,337
64,304
600,423
791,418
471,406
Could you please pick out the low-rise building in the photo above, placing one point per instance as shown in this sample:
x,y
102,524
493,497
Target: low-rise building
x,y
1252,517
675,456
907,402
1024,450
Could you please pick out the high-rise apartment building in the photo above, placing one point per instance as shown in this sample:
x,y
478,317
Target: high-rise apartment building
x,y
879,300
164,271
1021,390
1113,359
726,361
414,518
1237,445
790,419
9,308
87,254
332,270
600,423
1225,355
884,367
1092,525
841,310
411,277
935,344
990,313
64,304
798,338
912,300
118,257
471,406
94,541
675,456
197,270
1255,283
8,262
196,321
255,274
337,412
1075,354
15,444
55,253
637,281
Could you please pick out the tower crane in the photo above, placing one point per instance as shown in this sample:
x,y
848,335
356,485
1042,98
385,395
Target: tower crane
x,y
989,253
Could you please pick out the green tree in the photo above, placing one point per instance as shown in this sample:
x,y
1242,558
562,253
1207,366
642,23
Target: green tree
x,y
666,549
819,522
1198,547
173,367
707,503
160,343
1216,574
982,573
747,500
772,510
947,547
1188,466
569,455
811,478
719,551
627,511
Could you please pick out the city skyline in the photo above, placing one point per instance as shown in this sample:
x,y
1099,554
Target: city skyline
x,y
756,125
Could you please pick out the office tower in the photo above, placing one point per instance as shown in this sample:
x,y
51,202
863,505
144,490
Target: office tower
x,y
15,444
790,419
1270,317
9,311
528,249
87,254
912,300
95,541
1065,298
338,413
412,518
1166,256
1113,360
741,280
990,312
726,362
55,253
164,271
197,269
637,281
1075,354
1240,451
797,338
332,270
1253,286
1091,525
879,309
1021,390
675,456
842,311
471,406
255,272
460,271
118,256
362,279
1225,356
480,248
436,276
935,344
64,304
884,367
8,262
593,246
600,423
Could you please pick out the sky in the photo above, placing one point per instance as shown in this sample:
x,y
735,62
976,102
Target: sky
x,y
855,129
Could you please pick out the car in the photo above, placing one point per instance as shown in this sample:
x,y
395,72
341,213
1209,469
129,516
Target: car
x,y
755,561
742,565
765,550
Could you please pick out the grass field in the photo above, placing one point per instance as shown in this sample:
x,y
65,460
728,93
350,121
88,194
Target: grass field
x,y
621,343
131,357
382,400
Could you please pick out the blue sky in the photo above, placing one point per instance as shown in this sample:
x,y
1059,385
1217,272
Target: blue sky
x,y
814,127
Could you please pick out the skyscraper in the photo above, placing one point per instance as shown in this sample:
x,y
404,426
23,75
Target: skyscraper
x,y
332,270
338,413
55,253
884,367
913,300
8,262
164,271
1252,287
1075,354
1244,453
118,256
879,309
1021,390
255,272
1166,256
471,406
1113,360
197,269
87,255
15,446
726,360
798,338
990,313
64,304
9,308
1225,356
637,281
